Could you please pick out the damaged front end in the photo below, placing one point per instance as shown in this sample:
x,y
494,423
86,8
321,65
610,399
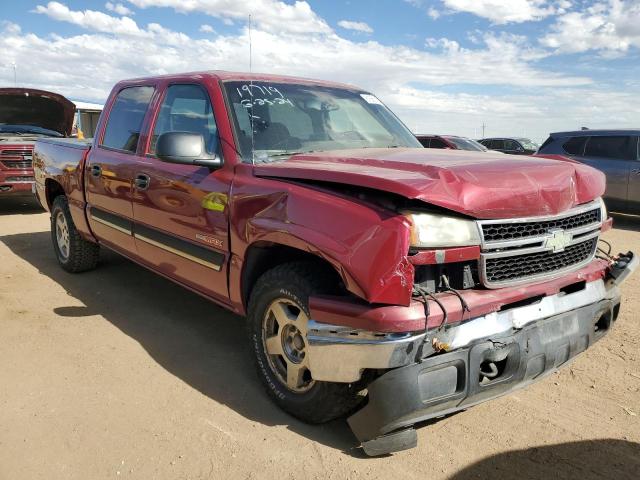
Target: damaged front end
x,y
482,322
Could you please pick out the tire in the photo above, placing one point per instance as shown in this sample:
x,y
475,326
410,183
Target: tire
x,y
286,288
74,253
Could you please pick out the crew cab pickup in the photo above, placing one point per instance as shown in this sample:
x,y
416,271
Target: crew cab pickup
x,y
27,114
378,278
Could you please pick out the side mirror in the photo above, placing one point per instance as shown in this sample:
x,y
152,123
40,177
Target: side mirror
x,y
185,148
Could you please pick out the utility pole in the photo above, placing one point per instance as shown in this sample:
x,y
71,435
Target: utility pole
x,y
15,77
483,127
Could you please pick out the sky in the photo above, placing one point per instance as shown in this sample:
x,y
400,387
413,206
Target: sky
x,y
518,67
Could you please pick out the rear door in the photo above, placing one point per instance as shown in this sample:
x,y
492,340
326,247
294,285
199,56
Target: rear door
x,y
180,211
110,168
614,155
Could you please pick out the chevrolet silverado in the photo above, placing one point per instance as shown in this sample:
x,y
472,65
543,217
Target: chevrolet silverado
x,y
379,279
27,114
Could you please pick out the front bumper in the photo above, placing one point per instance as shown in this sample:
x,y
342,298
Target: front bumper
x,y
485,357
454,381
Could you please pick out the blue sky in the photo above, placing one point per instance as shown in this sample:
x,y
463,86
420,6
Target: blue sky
x,y
521,67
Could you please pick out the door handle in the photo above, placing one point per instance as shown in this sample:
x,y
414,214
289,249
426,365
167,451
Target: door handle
x,y
96,170
142,181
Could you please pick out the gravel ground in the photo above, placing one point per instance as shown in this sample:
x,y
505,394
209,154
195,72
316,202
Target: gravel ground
x,y
118,373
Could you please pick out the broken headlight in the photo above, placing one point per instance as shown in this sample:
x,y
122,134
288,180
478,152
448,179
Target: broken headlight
x,y
429,230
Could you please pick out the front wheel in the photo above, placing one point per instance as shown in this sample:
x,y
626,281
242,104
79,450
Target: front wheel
x,y
278,319
74,253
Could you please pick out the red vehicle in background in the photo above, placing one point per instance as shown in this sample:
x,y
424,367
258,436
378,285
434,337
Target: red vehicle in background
x,y
366,266
450,142
27,114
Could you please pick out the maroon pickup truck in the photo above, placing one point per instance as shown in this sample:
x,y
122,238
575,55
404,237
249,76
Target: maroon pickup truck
x,y
27,114
378,278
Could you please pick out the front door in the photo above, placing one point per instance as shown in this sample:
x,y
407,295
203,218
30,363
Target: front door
x,y
110,168
180,211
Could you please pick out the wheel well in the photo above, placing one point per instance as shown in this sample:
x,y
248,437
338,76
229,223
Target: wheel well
x,y
52,190
263,257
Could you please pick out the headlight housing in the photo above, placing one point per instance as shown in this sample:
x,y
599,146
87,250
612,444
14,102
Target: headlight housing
x,y
603,211
430,230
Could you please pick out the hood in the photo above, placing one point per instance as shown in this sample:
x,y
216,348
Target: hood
x,y
27,106
481,185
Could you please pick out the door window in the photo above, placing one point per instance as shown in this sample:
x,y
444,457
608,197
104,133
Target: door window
x,y
186,108
511,145
437,143
622,147
497,144
575,145
125,119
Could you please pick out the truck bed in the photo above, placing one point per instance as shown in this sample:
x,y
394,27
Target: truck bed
x,y
60,160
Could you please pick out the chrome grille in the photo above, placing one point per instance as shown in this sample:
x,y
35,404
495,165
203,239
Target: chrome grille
x,y
18,164
505,269
509,231
17,159
538,248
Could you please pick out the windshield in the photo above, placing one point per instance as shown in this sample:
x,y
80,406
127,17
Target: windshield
x,y
528,144
467,144
290,118
27,129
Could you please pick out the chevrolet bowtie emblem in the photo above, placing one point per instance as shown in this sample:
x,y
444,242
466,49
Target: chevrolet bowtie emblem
x,y
557,240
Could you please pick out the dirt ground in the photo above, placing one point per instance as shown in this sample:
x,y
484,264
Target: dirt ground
x,y
118,373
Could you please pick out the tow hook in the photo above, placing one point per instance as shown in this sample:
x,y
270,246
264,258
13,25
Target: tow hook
x,y
622,267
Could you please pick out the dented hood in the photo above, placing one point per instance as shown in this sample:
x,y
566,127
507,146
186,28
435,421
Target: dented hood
x,y
27,106
481,185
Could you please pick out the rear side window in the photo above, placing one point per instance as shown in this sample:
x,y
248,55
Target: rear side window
x,y
125,119
619,147
497,144
437,143
575,145
424,141
546,142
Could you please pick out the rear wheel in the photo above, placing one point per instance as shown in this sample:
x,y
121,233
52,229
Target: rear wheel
x,y
74,253
278,322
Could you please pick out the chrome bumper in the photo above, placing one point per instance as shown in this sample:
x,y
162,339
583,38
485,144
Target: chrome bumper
x,y
341,354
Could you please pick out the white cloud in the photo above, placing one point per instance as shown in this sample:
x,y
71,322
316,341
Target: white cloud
x,y
270,15
90,19
118,8
611,27
206,28
433,13
357,26
409,80
511,11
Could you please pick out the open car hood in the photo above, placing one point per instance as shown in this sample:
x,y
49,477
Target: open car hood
x,y
481,185
27,106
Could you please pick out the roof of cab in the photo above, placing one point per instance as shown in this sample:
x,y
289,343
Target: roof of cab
x,y
242,76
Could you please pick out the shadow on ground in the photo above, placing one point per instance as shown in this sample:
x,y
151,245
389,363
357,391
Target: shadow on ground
x,y
585,460
20,205
626,222
206,347
202,344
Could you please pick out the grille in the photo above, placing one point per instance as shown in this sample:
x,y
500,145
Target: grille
x,y
19,179
13,153
505,269
17,164
498,232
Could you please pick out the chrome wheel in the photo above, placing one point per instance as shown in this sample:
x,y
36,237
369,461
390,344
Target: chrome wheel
x,y
62,235
284,334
